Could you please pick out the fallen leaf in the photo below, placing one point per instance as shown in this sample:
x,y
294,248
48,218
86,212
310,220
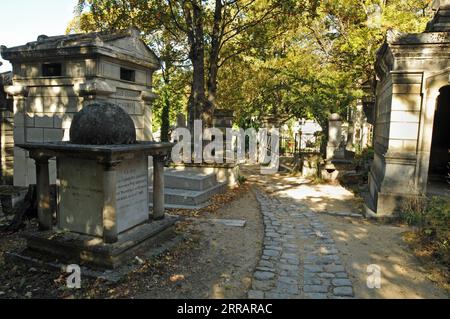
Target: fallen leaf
x,y
175,278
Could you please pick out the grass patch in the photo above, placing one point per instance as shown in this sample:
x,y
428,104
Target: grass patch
x,y
430,238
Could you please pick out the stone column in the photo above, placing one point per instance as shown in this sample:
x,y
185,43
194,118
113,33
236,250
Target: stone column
x,y
158,187
147,98
45,213
334,150
110,233
20,172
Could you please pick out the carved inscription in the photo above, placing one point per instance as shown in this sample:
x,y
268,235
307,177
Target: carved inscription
x,y
132,193
131,188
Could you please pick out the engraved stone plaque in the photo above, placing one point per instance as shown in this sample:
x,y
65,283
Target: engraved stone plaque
x,y
132,193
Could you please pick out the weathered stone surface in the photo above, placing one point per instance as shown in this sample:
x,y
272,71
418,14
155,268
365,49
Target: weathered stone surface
x,y
299,269
403,132
102,123
264,285
287,288
316,295
326,275
334,268
271,253
263,275
315,288
341,282
287,280
255,294
265,263
343,291
56,76
277,295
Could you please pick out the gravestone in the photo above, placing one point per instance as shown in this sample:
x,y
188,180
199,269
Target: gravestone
x,y
335,149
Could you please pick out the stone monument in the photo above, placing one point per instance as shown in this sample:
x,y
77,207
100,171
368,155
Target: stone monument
x,y
102,212
335,149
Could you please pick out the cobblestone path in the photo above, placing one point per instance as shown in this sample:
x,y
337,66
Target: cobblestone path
x,y
299,258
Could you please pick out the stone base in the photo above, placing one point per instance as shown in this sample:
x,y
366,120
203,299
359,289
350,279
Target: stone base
x,y
226,173
92,251
383,204
335,169
310,164
387,205
10,196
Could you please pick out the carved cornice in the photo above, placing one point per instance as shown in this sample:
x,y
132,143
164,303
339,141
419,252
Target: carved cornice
x,y
148,96
16,90
94,87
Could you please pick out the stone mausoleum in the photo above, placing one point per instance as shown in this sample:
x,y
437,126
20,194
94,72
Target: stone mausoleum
x,y
54,77
412,113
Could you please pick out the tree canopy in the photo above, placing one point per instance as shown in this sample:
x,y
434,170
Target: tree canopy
x,y
284,58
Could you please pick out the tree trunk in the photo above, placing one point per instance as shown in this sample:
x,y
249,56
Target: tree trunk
x,y
213,65
165,117
197,98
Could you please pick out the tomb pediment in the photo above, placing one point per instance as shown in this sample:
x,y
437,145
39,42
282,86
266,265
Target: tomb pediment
x,y
124,45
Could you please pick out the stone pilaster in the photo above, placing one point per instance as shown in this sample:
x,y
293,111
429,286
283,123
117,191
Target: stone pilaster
x,y
147,99
45,211
110,229
158,186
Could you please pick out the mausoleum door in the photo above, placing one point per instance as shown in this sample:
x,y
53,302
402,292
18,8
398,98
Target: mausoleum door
x,y
440,145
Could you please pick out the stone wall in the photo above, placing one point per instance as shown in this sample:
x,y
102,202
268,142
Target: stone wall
x,y
45,112
6,132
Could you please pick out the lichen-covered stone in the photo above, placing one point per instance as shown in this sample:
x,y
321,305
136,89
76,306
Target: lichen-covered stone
x,y
102,123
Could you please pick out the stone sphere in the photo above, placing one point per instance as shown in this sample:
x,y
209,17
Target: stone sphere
x,y
102,123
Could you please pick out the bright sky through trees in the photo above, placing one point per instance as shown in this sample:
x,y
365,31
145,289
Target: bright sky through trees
x,y
24,20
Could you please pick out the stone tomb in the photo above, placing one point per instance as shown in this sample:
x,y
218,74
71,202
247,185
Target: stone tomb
x,y
80,185
335,148
411,138
54,77
102,212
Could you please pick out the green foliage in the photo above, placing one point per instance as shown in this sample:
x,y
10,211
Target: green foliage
x,y
283,58
172,100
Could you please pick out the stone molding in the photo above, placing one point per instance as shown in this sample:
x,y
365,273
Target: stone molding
x,y
94,87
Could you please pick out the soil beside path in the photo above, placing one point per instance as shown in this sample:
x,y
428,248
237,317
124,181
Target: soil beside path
x,y
364,243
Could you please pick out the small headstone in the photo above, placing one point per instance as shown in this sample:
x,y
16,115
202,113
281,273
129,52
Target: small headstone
x,y
230,222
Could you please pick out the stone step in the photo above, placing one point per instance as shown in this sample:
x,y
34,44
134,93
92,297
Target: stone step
x,y
189,198
188,180
190,207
